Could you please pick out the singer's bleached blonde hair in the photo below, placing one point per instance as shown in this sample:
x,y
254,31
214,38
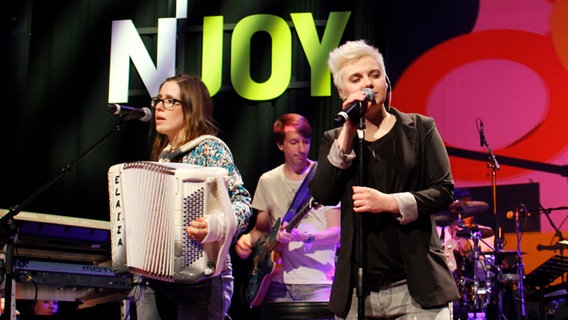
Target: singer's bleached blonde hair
x,y
349,51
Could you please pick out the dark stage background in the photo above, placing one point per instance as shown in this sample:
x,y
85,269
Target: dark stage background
x,y
56,65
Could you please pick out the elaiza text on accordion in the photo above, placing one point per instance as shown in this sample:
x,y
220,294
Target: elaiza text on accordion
x,y
115,202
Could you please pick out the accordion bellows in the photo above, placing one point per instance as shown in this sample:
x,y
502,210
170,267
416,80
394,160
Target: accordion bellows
x,y
151,203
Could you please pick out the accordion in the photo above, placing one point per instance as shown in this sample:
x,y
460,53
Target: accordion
x,y
151,203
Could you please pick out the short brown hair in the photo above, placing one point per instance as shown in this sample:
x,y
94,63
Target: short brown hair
x,y
299,122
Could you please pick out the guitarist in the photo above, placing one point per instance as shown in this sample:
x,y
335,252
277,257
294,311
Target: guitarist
x,y
305,254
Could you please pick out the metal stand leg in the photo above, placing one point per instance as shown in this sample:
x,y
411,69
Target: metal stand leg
x,y
125,309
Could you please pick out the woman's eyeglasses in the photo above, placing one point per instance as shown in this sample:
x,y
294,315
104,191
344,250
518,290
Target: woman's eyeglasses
x,y
168,103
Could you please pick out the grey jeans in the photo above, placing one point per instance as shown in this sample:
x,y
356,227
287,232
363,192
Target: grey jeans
x,y
395,302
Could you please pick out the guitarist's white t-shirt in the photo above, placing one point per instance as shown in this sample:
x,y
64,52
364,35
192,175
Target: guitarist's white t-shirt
x,y
301,263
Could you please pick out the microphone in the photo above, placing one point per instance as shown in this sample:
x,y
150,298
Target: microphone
x,y
353,112
481,134
521,212
143,114
554,247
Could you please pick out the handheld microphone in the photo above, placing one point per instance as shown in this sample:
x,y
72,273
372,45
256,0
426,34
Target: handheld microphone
x,y
353,111
142,114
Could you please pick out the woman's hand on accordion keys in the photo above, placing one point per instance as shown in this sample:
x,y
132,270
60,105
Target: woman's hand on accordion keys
x,y
197,229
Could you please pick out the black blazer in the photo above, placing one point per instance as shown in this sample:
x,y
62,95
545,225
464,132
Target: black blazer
x,y
429,179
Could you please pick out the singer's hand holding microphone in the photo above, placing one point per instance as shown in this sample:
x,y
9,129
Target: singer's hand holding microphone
x,y
353,112
129,113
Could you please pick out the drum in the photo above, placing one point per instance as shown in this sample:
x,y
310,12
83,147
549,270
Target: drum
x,y
476,282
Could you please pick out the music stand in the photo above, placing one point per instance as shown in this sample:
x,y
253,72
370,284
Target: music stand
x,y
547,272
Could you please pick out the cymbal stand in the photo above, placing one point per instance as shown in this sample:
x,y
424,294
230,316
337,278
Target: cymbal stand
x,y
479,266
476,251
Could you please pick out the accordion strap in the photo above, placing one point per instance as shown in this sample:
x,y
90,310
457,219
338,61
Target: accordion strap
x,y
167,156
302,195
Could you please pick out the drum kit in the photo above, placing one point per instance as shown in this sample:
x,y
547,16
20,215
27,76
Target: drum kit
x,y
480,270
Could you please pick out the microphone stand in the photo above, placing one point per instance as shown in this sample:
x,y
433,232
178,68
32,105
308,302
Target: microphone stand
x,y
362,254
8,227
547,214
561,239
494,166
498,243
521,264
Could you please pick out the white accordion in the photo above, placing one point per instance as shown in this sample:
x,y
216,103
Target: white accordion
x,y
151,203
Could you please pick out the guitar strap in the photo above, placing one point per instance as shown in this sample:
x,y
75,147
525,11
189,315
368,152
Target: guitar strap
x,y
302,196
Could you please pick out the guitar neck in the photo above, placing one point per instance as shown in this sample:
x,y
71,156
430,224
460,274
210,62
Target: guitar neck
x,y
300,215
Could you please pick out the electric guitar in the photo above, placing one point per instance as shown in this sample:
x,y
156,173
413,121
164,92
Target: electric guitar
x,y
266,261
449,247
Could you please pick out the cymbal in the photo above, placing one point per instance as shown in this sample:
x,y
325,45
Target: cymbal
x,y
485,232
460,208
507,252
